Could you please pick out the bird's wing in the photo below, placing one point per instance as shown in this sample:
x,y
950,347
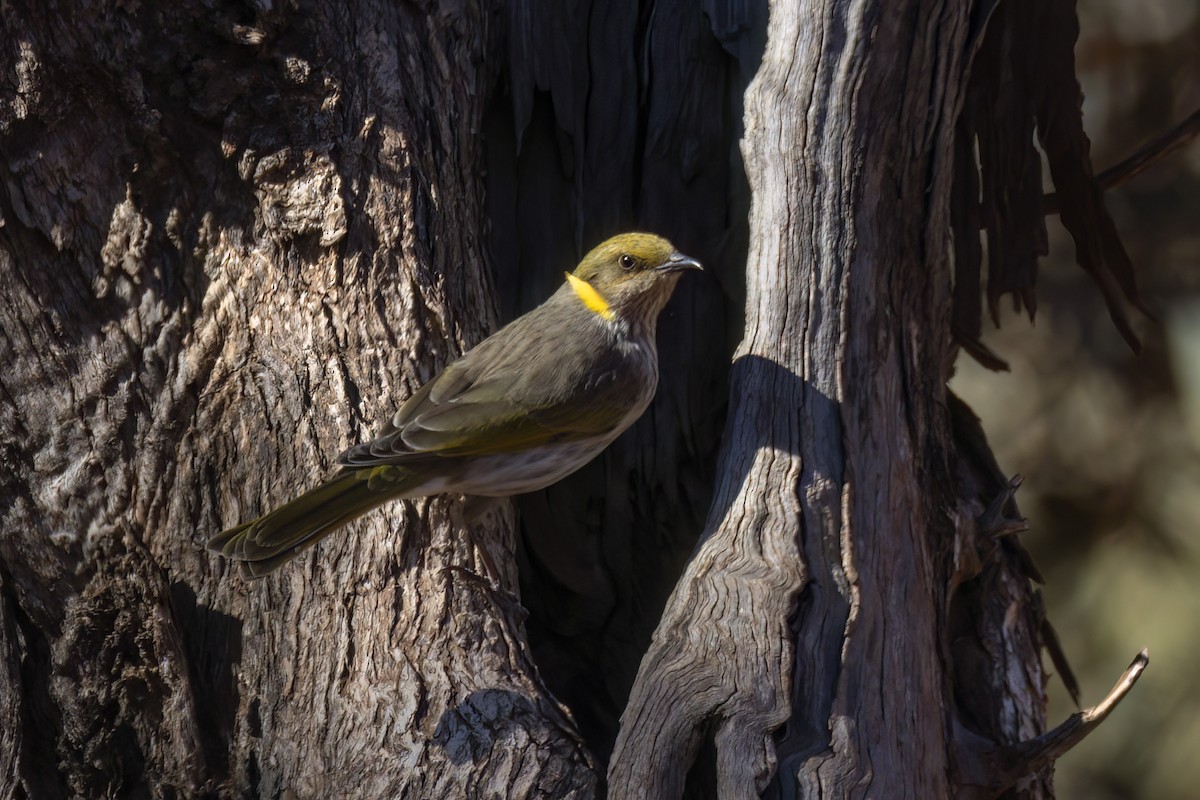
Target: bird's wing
x,y
511,392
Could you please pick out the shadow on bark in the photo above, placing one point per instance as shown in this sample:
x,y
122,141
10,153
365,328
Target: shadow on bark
x,y
578,149
483,719
212,642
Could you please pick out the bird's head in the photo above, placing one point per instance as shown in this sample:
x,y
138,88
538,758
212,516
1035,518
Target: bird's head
x,y
632,275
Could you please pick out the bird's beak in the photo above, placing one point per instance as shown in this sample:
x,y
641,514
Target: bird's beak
x,y
677,263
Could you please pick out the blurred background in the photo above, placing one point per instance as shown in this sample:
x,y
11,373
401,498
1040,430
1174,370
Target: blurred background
x,y
1109,441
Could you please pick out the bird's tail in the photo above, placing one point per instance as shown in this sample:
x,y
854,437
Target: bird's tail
x,y
263,545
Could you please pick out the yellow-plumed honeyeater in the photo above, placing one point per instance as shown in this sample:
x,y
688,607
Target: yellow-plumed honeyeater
x,y
525,407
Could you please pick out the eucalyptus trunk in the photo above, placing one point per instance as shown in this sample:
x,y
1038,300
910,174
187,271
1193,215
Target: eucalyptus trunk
x,y
232,244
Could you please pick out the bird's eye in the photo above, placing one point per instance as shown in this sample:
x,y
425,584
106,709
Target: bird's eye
x,y
627,262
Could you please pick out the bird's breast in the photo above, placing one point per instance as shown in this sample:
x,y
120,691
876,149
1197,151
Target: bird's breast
x,y
630,362
505,474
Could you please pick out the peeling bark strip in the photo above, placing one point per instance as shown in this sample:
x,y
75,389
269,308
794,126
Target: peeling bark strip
x,y
232,240
1023,82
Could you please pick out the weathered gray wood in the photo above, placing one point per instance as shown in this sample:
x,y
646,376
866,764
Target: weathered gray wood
x,y
820,594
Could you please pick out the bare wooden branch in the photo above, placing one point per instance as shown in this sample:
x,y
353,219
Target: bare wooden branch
x,y
1140,160
1039,753
987,769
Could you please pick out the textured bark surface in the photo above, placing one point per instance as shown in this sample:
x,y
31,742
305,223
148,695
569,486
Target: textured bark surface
x,y
234,236
844,527
233,239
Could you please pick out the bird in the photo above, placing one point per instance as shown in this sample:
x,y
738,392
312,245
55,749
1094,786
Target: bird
x,y
521,410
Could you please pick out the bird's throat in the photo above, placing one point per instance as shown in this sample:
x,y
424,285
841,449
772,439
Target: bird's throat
x,y
591,298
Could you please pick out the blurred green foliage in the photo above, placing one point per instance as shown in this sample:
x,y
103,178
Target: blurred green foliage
x,y
1109,441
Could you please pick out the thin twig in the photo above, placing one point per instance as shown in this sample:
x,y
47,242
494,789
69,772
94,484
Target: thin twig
x,y
1037,754
987,769
1145,156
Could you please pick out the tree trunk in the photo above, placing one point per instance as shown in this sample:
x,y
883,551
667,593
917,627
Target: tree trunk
x,y
838,578
233,240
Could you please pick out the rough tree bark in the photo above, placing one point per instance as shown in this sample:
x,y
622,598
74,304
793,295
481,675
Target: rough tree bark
x,y
233,236
232,241
836,473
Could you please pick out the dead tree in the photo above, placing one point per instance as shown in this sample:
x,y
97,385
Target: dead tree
x,y
233,239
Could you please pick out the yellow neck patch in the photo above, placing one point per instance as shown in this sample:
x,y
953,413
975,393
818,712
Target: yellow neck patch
x,y
590,297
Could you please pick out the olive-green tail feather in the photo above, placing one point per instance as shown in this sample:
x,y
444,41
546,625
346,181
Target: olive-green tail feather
x,y
265,544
